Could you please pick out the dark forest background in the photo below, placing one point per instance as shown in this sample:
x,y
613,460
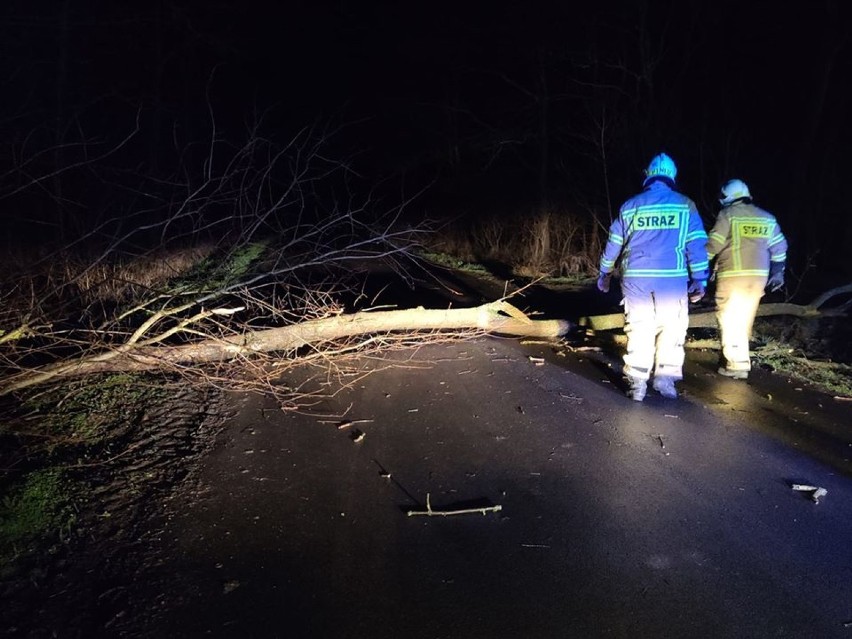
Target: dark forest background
x,y
461,109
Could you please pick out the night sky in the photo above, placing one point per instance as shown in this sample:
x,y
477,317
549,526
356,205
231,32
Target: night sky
x,y
495,105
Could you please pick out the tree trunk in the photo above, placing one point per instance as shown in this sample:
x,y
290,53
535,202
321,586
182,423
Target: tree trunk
x,y
707,319
496,317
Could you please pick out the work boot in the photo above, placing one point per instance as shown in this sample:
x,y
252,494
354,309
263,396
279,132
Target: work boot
x,y
734,374
665,386
636,388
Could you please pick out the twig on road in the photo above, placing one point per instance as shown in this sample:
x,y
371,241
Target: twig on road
x,y
446,513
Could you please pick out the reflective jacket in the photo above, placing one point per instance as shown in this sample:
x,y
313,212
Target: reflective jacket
x,y
658,234
746,239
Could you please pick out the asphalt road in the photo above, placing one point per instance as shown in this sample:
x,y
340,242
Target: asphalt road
x,y
670,518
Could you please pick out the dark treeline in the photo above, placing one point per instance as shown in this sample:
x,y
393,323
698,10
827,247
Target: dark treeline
x,y
500,108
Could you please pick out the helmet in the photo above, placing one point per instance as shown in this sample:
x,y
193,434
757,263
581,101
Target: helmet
x,y
661,166
733,191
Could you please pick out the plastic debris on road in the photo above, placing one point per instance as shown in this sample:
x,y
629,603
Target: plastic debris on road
x,y
817,492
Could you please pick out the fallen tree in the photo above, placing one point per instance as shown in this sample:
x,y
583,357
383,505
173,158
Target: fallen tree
x,y
269,292
288,234
707,319
138,354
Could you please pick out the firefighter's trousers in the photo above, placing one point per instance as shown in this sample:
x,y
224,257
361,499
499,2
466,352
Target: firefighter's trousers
x,y
737,299
656,316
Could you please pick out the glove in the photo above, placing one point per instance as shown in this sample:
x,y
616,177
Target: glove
x,y
696,290
776,276
603,282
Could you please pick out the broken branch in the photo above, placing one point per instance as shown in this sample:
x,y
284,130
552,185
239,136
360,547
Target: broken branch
x,y
707,319
146,354
446,513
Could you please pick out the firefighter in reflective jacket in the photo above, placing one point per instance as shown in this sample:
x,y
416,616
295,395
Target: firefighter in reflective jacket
x,y
750,252
661,241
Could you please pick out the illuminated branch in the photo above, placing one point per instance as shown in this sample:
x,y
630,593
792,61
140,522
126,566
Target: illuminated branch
x,y
137,354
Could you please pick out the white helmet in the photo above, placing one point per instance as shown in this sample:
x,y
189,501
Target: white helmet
x,y
661,166
733,191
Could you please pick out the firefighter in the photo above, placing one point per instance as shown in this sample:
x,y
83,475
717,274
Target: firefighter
x,y
661,241
750,252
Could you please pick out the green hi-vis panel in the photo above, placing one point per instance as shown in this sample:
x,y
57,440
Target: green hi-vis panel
x,y
655,221
755,230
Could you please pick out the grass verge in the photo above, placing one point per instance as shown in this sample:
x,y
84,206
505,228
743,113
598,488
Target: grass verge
x,y
49,442
541,243
816,352
37,512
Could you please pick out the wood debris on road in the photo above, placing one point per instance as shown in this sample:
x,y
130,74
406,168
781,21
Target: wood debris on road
x,y
446,513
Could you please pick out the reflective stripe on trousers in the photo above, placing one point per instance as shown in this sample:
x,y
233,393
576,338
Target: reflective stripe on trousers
x,y
737,299
656,316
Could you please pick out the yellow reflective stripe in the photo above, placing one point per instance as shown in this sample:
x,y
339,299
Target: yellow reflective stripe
x,y
736,245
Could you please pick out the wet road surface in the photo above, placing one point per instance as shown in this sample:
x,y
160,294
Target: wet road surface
x,y
669,518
